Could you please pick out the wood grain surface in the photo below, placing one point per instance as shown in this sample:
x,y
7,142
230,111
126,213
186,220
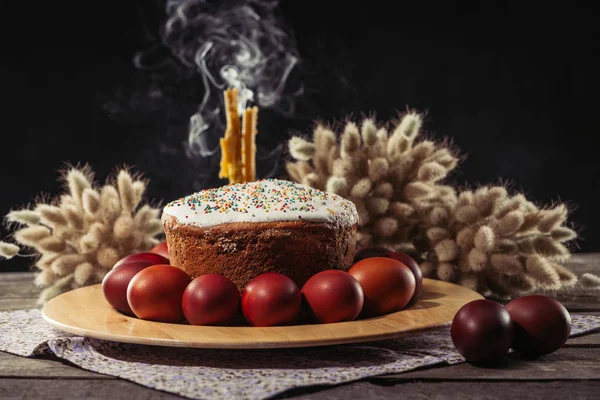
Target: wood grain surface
x,y
570,373
86,312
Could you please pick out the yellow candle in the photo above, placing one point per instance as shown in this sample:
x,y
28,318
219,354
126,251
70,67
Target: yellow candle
x,y
249,120
238,147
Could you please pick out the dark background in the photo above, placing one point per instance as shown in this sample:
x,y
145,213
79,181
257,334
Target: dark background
x,y
514,87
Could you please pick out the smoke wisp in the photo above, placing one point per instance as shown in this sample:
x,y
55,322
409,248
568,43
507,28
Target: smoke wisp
x,y
235,43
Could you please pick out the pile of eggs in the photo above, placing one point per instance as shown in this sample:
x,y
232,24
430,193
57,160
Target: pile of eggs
x,y
379,282
484,331
146,286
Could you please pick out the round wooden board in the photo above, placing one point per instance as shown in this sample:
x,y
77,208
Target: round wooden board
x,y
85,312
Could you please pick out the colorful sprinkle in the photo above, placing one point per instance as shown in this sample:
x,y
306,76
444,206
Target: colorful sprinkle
x,y
266,197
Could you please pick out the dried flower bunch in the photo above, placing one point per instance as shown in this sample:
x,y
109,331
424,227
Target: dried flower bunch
x,y
79,236
488,240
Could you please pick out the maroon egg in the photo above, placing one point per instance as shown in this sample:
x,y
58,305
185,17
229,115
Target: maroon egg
x,y
482,331
414,267
149,258
115,282
542,324
271,299
211,299
333,296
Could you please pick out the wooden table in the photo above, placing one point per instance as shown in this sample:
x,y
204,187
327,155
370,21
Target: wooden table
x,y
573,372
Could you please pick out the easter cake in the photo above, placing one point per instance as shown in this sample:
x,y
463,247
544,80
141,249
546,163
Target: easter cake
x,y
245,229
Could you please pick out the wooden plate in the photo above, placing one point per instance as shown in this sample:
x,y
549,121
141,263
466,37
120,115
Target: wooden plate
x,y
85,312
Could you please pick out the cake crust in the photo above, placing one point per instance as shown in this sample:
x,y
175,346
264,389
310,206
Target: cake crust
x,y
244,250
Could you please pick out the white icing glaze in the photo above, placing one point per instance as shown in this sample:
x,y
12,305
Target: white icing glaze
x,y
262,201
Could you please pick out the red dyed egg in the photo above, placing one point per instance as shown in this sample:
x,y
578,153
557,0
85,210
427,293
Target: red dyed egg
x,y
412,265
333,296
115,282
161,249
155,293
210,299
271,299
370,252
542,324
149,258
387,284
482,331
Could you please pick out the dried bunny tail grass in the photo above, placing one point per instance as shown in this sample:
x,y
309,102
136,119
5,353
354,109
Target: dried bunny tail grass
x,y
51,215
384,190
78,179
82,233
60,286
507,264
567,278
91,201
361,189
485,239
31,235
477,260
542,271
446,250
153,228
425,150
547,247
510,223
139,187
45,261
500,243
323,138
126,192
467,214
107,257
378,169
8,250
93,239
368,131
23,217
416,191
589,280
110,203
436,234
50,245
337,186
135,242
301,149
470,281
530,221
563,234
123,227
385,227
428,269
446,272
144,215
404,134
465,238
65,264
74,217
44,278
431,172
552,219
148,243
83,273
350,140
